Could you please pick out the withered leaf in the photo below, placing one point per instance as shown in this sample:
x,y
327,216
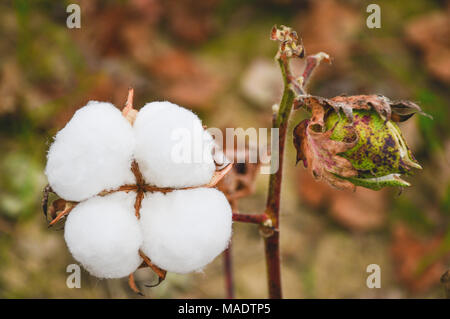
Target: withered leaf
x,y
397,111
403,110
320,153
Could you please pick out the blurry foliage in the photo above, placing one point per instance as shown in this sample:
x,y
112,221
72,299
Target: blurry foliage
x,y
203,54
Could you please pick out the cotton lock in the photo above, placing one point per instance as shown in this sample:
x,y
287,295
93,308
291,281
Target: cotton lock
x,y
92,153
103,234
172,148
185,230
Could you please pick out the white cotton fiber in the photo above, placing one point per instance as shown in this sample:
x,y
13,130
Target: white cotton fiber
x,y
92,153
185,230
103,234
172,148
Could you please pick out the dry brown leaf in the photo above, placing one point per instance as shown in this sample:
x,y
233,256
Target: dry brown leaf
x,y
431,34
329,26
191,20
198,92
11,82
397,111
320,153
409,253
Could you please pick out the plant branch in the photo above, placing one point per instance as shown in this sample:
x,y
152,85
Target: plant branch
x,y
250,218
228,267
290,46
272,239
312,62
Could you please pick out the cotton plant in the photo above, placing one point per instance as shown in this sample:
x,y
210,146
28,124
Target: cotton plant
x,y
127,202
132,206
347,141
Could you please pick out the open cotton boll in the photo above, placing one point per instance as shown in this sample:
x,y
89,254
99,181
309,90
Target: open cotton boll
x,y
92,153
185,230
103,234
172,148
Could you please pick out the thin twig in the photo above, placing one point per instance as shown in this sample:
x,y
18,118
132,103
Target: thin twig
x,y
250,218
312,62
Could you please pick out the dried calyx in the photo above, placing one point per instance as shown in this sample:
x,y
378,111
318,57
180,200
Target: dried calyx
x,y
290,44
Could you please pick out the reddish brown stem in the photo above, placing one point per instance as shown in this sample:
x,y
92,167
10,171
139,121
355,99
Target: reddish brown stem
x,y
312,62
228,262
250,218
271,237
228,267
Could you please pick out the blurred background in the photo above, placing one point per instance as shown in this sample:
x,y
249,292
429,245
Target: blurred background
x,y
215,57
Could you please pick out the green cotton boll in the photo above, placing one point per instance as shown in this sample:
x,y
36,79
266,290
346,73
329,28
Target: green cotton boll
x,y
381,154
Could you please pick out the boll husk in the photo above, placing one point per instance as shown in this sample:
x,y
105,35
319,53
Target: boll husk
x,y
380,155
355,141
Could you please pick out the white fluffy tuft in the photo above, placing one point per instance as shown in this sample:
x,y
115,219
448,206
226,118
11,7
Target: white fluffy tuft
x,y
93,152
172,148
185,230
103,234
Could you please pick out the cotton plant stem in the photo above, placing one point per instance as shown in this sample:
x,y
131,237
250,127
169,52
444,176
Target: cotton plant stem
x,y
228,261
228,268
290,46
259,219
272,239
250,218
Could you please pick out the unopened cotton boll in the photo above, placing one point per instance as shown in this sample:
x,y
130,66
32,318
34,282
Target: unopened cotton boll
x,y
103,234
185,230
92,153
172,148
